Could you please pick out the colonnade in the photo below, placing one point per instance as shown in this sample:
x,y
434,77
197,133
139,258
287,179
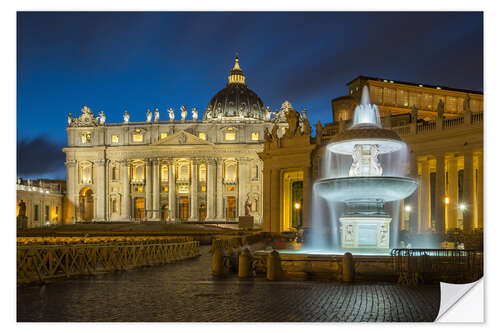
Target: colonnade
x,y
453,198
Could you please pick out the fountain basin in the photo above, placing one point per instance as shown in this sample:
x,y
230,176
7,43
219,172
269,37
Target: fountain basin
x,y
349,189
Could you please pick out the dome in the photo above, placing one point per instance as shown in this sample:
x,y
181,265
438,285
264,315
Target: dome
x,y
236,100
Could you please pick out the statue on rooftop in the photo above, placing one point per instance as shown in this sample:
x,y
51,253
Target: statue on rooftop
x,y
274,132
126,117
466,105
292,117
183,113
194,113
102,117
171,114
149,115
157,115
70,119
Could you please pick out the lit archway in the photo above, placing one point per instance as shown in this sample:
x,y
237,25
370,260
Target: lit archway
x,y
86,204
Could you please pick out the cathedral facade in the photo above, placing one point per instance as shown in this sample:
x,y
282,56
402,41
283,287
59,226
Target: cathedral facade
x,y
205,168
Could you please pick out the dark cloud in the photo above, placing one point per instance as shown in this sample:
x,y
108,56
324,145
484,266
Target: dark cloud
x,y
39,156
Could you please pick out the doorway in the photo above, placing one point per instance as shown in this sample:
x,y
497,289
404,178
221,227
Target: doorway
x,y
86,204
183,208
139,208
230,208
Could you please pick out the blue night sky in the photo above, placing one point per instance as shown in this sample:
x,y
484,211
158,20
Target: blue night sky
x,y
116,61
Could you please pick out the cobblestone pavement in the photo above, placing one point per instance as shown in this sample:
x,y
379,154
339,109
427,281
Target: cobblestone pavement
x,y
187,292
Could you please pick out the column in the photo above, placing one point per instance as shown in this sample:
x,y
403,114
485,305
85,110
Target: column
x,y
411,203
156,190
242,185
210,189
194,191
306,200
453,204
266,204
171,190
126,191
440,194
148,188
275,200
220,202
101,184
480,194
424,198
468,213
69,211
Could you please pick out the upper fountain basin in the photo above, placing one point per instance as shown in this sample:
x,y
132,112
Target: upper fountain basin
x,y
366,188
386,140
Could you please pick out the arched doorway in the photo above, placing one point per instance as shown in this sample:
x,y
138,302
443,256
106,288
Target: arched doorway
x,y
183,208
230,208
203,212
139,208
164,212
86,204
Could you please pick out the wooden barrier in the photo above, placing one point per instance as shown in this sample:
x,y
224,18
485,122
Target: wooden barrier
x,y
43,262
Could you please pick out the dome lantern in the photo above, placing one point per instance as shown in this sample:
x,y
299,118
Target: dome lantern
x,y
236,75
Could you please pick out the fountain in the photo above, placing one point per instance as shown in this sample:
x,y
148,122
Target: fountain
x,y
365,224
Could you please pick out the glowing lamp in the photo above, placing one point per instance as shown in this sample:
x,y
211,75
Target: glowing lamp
x,y
408,208
297,205
462,206
446,200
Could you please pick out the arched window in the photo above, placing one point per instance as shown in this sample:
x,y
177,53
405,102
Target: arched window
x,y
203,173
230,172
183,172
164,173
86,173
139,172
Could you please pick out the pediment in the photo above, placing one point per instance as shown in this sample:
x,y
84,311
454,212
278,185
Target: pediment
x,y
182,138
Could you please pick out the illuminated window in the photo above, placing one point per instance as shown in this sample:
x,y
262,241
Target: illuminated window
x,y
86,137
165,188
114,138
163,135
230,172
203,188
255,136
202,135
183,172
203,173
230,136
137,137
86,174
164,173
230,188
138,173
139,188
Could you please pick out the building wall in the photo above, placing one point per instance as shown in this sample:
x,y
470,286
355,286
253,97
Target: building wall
x,y
122,162
38,197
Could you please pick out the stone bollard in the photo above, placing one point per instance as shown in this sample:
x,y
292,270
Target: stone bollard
x,y
245,261
273,269
218,263
347,267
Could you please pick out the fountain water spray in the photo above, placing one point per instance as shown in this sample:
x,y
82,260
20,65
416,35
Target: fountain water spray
x,y
364,224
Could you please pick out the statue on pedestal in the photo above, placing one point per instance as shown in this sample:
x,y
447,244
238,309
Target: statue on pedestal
x,y
149,115
307,127
171,114
248,207
70,119
466,104
157,115
414,114
194,113
126,117
274,132
183,113
102,117
292,117
440,109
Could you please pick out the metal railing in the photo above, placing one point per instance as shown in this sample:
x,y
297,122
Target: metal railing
x,y
417,265
44,262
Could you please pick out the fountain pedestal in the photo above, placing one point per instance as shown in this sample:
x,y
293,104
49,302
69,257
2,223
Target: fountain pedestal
x,y
362,232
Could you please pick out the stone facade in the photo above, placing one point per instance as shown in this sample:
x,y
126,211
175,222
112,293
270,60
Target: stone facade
x,y
445,145
39,203
171,170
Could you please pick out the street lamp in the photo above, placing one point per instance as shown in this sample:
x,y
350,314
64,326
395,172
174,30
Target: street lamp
x,y
462,206
297,205
408,209
446,200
